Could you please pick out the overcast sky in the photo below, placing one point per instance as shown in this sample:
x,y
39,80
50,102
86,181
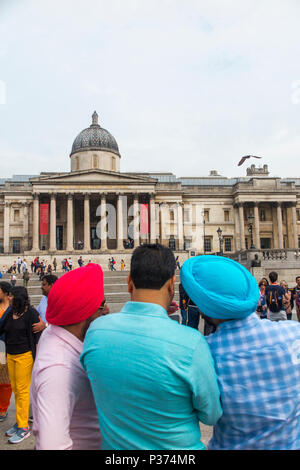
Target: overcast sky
x,y
184,87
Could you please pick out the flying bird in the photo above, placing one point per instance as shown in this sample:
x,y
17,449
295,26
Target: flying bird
x,y
245,158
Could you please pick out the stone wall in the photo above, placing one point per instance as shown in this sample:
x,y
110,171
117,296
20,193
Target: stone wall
x,y
99,258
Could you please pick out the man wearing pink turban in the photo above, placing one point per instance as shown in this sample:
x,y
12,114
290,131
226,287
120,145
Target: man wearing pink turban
x,y
64,412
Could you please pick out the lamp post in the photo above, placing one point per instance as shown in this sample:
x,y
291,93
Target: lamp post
x,y
250,228
219,232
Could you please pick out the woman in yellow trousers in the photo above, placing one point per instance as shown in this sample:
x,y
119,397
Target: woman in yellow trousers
x,y
20,342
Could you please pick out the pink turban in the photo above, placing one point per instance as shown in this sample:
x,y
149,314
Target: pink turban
x,y
75,296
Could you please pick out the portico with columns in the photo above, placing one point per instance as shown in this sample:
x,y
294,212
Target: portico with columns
x,y
96,220
275,223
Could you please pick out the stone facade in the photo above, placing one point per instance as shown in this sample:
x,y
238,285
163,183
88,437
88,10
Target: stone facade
x,y
94,209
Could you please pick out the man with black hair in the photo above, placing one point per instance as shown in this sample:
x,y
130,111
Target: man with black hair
x,y
47,282
274,294
153,379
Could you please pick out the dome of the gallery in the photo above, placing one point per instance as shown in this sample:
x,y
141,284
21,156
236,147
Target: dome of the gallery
x,y
95,138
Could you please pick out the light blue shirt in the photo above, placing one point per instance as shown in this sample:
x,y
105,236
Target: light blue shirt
x,y
152,378
42,307
258,367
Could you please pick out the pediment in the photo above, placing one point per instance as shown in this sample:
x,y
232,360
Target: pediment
x,y
91,176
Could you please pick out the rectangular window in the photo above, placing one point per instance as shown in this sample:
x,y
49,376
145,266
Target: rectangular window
x,y
187,243
226,215
16,246
262,215
299,243
207,244
298,215
16,215
265,243
172,242
227,244
206,216
187,215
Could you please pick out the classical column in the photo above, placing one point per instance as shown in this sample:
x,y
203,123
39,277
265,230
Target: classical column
x,y
25,225
35,223
242,225
279,222
70,223
103,222
256,227
295,228
136,221
152,219
162,222
180,226
237,228
52,244
86,228
120,222
6,226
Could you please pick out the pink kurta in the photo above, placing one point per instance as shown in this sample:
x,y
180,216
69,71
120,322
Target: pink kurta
x,y
64,412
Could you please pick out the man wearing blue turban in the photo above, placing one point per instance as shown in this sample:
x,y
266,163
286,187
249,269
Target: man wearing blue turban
x,y
257,362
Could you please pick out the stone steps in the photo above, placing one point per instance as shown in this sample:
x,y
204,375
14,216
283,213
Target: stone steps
x,y
115,287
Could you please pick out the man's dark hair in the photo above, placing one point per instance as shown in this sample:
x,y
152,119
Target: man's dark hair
x,y
152,265
50,279
5,287
20,299
298,277
273,276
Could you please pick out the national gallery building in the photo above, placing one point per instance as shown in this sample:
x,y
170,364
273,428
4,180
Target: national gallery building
x,y
96,209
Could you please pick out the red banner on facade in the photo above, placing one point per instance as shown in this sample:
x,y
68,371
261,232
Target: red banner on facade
x,y
44,219
144,219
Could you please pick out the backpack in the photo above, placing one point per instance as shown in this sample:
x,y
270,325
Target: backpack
x,y
274,298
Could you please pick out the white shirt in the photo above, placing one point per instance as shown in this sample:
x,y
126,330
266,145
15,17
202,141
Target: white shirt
x,y
64,411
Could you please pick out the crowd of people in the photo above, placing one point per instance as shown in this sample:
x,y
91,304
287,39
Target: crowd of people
x,y
276,303
277,300
42,267
138,380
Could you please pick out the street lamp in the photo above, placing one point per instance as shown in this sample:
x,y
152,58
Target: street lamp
x,y
219,232
250,228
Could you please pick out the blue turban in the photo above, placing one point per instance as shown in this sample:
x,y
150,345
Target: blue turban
x,y
220,287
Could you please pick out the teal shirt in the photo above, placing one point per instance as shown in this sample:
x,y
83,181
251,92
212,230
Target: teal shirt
x,y
153,380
